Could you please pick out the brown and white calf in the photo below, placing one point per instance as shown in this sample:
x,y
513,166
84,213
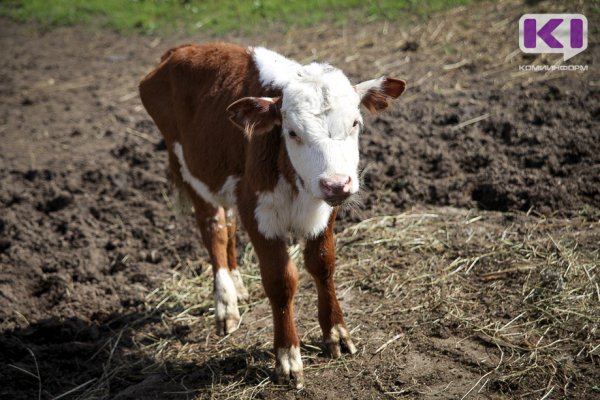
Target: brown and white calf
x,y
249,129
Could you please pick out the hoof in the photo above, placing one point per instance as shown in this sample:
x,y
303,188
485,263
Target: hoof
x,y
288,368
240,289
227,315
339,340
227,326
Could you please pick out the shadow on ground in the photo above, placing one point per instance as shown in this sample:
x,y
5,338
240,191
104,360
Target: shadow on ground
x,y
71,358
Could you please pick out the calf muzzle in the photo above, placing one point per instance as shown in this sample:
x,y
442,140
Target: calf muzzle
x,y
336,189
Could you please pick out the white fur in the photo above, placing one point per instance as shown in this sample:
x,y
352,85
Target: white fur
x,y
226,305
321,108
282,211
274,69
289,361
213,223
224,197
320,105
338,332
363,88
241,291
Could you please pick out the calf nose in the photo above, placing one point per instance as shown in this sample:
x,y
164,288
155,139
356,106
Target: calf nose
x,y
336,188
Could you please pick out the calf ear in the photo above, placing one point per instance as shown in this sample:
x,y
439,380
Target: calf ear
x,y
255,114
375,93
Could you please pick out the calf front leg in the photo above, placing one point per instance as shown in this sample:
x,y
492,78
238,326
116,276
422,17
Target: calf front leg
x,y
280,281
319,258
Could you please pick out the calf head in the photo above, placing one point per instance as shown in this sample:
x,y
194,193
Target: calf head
x,y
319,119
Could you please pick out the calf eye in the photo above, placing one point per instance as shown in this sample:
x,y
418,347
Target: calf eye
x,y
355,124
294,136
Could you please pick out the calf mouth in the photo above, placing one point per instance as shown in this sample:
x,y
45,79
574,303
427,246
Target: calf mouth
x,y
340,200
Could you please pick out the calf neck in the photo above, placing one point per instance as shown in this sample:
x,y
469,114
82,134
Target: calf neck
x,y
251,131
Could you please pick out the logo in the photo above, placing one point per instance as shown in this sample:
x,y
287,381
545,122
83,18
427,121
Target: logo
x,y
553,33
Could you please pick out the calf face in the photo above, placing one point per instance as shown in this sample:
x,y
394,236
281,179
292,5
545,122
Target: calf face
x,y
320,121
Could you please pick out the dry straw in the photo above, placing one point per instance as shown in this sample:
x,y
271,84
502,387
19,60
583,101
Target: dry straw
x,y
525,287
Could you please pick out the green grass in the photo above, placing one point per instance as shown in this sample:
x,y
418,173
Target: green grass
x,y
215,16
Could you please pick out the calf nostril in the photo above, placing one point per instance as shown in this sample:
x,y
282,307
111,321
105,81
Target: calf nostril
x,y
325,184
336,185
347,185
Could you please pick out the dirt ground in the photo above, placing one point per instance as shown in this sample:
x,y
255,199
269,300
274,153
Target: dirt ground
x,y
98,272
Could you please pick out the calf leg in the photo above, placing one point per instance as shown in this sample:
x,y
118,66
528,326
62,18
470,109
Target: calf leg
x,y
280,281
319,258
211,221
242,293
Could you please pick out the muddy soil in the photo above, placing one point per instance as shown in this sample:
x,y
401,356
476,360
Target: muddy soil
x,y
87,222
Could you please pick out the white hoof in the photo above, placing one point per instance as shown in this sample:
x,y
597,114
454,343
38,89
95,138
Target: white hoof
x,y
289,367
227,315
242,293
338,338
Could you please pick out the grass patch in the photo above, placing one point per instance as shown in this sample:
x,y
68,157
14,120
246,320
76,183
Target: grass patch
x,y
214,16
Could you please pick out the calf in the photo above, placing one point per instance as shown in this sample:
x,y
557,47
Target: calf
x,y
249,129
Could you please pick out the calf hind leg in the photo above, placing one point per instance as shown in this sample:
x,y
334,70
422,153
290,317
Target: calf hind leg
x,y
242,293
212,223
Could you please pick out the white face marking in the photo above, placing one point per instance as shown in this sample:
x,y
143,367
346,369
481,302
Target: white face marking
x,y
282,211
224,197
320,107
226,306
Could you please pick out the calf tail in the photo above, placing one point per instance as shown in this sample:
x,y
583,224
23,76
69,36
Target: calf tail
x,y
182,204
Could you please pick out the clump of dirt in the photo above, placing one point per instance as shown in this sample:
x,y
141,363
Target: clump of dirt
x,y
88,229
525,154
